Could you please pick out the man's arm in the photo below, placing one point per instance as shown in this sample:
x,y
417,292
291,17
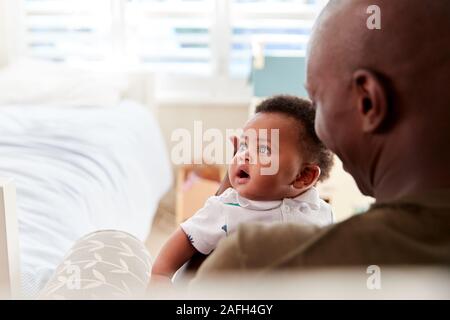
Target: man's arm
x,y
258,246
225,184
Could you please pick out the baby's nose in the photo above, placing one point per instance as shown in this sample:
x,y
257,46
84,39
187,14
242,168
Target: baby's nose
x,y
244,156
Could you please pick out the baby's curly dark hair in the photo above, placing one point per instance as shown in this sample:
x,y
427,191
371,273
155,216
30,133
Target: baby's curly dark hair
x,y
304,113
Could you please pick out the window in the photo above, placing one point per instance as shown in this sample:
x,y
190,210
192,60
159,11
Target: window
x,y
212,38
171,35
68,30
280,27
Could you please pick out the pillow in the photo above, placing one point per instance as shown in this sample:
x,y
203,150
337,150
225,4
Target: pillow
x,y
30,82
106,264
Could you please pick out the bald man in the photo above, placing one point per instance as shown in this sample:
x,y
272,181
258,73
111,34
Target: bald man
x,y
382,99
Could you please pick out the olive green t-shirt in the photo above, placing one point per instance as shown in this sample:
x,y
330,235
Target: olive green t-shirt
x,y
413,230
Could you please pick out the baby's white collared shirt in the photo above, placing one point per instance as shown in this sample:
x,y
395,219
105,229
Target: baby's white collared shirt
x,y
222,214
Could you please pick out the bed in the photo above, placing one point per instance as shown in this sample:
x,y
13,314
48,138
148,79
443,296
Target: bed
x,y
76,169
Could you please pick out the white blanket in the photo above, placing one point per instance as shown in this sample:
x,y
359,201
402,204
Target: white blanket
x,y
76,171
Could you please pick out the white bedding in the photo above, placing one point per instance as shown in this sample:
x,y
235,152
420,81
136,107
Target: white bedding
x,y
78,170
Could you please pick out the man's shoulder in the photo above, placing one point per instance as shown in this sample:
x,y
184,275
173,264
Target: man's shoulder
x,y
384,234
286,234
257,245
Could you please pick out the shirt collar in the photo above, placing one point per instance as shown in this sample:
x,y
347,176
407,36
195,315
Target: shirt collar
x,y
232,197
309,197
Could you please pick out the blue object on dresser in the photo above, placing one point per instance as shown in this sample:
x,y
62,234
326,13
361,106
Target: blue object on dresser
x,y
280,75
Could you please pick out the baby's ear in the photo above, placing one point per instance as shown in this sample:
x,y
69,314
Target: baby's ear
x,y
308,176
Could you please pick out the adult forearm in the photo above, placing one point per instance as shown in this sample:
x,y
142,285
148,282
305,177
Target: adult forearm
x,y
224,185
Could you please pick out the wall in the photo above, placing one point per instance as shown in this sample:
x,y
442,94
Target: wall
x,y
218,116
345,197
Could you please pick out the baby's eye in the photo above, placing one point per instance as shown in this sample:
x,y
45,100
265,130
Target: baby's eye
x,y
242,146
264,149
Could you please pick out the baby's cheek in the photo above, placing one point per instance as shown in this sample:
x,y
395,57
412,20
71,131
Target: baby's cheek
x,y
279,181
290,166
267,180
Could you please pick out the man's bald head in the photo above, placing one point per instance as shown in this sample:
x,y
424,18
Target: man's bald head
x,y
373,86
413,39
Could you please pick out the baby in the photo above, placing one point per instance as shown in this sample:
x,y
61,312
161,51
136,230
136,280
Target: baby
x,y
286,195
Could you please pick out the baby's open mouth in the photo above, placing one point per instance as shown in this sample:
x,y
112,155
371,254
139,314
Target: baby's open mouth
x,y
243,174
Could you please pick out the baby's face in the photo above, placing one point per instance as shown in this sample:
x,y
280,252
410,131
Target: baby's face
x,y
264,167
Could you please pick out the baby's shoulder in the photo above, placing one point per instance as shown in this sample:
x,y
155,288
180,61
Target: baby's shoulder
x,y
215,205
228,196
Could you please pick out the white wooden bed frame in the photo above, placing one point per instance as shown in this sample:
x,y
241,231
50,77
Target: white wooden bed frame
x,y
9,241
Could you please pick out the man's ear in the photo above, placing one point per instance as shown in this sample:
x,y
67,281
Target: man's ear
x,y
371,100
307,177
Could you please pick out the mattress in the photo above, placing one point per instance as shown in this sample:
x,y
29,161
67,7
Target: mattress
x,y
79,170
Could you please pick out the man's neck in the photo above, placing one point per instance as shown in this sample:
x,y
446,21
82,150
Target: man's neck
x,y
412,168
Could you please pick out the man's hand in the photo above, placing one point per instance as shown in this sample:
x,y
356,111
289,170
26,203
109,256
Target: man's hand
x,y
225,184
